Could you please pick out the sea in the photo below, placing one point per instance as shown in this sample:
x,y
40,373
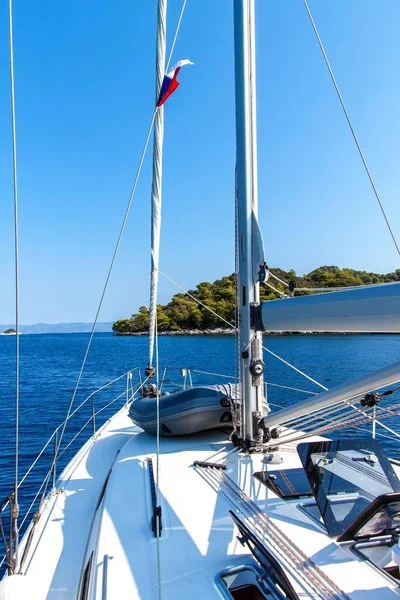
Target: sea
x,y
50,364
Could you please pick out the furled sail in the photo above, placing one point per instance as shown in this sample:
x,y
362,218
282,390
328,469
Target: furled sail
x,y
369,309
157,175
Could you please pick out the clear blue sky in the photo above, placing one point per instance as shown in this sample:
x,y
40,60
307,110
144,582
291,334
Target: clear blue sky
x,y
85,93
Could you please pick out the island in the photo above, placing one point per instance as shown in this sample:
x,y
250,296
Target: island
x,y
9,332
183,315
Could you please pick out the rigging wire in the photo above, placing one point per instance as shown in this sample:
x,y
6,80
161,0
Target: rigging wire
x,y
178,26
286,387
114,256
233,327
15,509
120,233
295,368
375,420
353,133
310,421
197,300
336,425
157,361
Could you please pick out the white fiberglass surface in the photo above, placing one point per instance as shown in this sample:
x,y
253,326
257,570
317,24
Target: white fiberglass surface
x,y
199,539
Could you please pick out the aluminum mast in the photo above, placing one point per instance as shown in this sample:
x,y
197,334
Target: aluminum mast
x,y
250,342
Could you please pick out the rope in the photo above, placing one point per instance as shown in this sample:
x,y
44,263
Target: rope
x,y
114,256
273,537
295,368
376,421
340,424
353,133
331,420
15,510
176,34
197,300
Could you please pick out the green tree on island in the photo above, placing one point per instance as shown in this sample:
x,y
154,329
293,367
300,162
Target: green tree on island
x,y
182,312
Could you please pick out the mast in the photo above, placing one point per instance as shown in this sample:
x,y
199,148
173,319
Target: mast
x,y
250,342
157,177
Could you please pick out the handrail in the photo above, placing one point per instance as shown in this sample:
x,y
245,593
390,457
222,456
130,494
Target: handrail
x,y
103,387
188,374
129,393
57,429
87,423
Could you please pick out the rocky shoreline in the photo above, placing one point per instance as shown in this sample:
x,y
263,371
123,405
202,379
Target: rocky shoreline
x,y
226,331
218,331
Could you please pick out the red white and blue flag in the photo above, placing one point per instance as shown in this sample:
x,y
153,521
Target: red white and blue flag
x,y
170,83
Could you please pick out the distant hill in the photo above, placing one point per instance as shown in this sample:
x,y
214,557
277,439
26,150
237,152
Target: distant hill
x,y
184,313
59,327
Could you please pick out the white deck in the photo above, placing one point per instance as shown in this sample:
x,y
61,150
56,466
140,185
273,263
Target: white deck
x,y
198,539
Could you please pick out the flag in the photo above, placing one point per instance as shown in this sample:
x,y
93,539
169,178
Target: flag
x,y
170,82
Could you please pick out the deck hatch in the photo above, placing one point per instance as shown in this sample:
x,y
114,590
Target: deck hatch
x,y
273,577
380,518
287,484
345,477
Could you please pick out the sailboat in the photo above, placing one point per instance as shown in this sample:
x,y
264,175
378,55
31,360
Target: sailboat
x,y
161,502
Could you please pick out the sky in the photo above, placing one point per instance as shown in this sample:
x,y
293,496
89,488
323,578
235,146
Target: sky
x,y
85,86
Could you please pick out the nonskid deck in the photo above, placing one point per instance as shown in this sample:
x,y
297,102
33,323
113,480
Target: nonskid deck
x,y
85,521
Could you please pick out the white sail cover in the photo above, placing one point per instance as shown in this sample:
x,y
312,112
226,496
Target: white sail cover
x,y
157,176
369,309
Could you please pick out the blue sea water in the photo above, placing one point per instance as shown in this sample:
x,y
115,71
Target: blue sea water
x,y
50,365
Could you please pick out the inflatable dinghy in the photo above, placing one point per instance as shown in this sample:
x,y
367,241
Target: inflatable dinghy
x,y
186,411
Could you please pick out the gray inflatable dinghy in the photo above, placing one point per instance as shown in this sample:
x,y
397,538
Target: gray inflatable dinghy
x,y
186,411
